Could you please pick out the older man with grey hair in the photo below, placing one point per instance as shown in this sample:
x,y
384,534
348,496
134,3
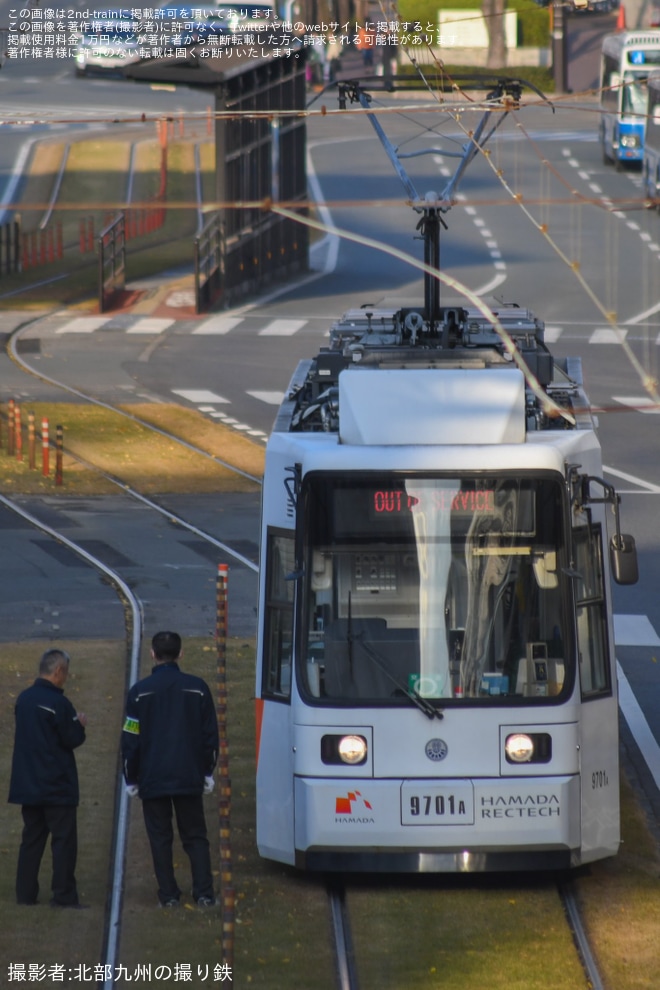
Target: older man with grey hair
x,y
44,781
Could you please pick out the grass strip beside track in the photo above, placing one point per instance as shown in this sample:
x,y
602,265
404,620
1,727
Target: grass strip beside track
x,y
282,930
508,932
496,933
131,452
39,935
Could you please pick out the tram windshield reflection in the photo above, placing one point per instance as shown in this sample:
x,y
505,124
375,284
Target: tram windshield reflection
x,y
454,584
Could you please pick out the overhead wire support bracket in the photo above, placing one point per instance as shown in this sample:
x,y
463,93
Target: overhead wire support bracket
x,y
504,97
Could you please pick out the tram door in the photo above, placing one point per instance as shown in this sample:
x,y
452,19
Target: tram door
x,y
599,763
273,703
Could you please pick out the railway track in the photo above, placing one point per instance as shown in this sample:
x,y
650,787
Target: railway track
x,y
133,613
354,949
25,366
136,617
357,961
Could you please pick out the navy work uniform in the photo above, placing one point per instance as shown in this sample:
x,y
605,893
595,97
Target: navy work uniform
x,y
169,746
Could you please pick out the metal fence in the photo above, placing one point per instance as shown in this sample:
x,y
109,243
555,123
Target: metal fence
x,y
261,159
112,262
209,261
10,247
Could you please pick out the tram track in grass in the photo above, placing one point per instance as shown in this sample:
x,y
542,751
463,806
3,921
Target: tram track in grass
x,y
133,618
428,932
417,931
114,922
123,859
453,932
13,350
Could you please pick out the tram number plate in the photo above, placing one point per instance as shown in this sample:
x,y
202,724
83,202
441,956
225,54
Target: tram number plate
x,y
437,804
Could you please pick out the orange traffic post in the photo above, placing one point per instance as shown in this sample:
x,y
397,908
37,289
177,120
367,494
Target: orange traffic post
x,y
224,803
18,433
59,449
10,427
32,458
45,448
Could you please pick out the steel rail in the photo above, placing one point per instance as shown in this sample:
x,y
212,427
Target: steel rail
x,y
134,626
341,928
167,513
569,902
28,369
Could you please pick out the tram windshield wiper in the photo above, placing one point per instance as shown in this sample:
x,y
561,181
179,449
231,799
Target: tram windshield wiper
x,y
425,706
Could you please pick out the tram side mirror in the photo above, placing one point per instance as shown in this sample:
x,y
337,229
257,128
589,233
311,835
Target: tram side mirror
x,y
623,559
545,569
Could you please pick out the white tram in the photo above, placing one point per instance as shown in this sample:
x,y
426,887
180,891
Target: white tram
x,y
436,683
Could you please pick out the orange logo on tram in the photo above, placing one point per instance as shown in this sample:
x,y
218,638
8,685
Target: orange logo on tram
x,y
344,805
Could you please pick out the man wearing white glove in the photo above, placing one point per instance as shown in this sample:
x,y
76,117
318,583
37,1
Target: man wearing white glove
x,y
169,751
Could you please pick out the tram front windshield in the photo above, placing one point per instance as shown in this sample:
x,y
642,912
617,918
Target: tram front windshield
x,y
433,587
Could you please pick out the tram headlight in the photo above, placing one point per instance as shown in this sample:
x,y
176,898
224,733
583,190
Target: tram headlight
x,y
528,747
519,748
630,141
350,749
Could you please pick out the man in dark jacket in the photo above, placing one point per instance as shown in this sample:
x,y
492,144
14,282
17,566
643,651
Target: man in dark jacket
x,y
44,781
169,751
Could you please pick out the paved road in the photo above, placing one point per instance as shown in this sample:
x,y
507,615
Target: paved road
x,y
47,592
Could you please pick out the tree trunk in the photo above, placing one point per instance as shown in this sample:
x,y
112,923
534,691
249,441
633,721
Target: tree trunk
x,y
493,11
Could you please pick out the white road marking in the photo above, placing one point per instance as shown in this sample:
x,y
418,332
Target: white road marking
x,y
646,485
150,324
607,335
552,334
638,725
638,402
282,328
199,395
272,398
84,324
634,630
217,325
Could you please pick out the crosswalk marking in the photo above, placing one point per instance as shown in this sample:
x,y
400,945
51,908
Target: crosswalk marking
x,y
282,328
84,324
218,325
150,324
638,402
272,398
552,334
199,395
607,335
634,630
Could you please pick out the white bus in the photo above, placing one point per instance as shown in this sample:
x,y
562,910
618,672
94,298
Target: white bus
x,y
627,59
